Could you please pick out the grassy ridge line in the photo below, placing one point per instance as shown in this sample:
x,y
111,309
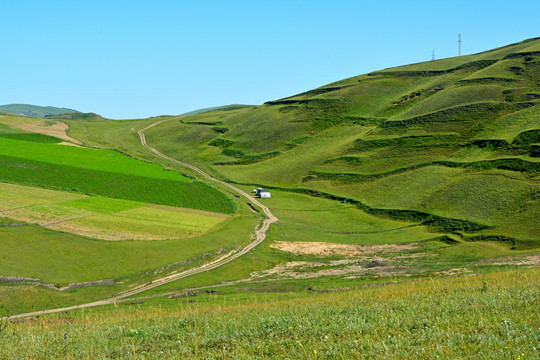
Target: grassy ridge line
x,y
493,316
196,195
513,164
34,110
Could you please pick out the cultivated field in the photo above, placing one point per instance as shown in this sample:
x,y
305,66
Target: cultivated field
x,y
102,218
32,159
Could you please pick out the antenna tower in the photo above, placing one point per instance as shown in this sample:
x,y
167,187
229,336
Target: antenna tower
x,y
459,45
433,55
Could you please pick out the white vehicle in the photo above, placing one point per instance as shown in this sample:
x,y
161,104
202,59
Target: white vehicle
x,y
263,193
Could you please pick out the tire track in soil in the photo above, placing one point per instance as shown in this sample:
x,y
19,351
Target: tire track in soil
x,y
260,235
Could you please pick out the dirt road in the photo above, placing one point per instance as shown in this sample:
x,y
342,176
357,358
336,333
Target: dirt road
x,y
260,235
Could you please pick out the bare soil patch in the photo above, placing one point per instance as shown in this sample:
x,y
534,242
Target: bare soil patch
x,y
308,270
331,249
57,130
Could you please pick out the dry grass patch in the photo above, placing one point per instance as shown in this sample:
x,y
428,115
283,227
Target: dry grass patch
x,y
331,249
58,129
530,261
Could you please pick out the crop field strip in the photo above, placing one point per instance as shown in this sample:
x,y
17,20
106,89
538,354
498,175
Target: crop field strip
x,y
102,218
103,172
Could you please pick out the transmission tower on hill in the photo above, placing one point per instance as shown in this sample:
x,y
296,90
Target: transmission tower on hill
x,y
433,55
459,45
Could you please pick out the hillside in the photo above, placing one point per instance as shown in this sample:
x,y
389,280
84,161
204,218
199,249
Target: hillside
x,y
34,110
449,144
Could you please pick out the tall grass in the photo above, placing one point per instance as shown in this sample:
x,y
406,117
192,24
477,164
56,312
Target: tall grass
x,y
488,317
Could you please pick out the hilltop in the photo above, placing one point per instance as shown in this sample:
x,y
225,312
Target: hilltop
x,y
75,116
222,108
34,110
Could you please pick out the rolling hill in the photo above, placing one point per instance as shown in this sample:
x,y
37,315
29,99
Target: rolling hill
x,y
449,144
34,110
407,202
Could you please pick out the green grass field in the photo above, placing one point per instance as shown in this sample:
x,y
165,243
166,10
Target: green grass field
x,y
439,138
491,316
103,172
407,200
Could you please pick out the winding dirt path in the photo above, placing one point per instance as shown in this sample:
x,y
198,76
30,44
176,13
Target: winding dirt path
x,y
260,235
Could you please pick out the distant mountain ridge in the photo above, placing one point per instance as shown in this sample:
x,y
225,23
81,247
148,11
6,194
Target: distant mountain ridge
x,y
35,110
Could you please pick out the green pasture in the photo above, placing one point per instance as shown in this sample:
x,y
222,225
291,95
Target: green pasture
x,y
456,96
440,154
506,69
17,196
100,204
510,126
493,316
141,223
61,257
309,219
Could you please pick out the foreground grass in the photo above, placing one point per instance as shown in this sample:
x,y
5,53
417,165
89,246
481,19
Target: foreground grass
x,y
488,317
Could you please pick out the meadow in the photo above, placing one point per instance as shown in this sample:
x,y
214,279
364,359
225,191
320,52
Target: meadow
x,y
60,258
423,143
492,316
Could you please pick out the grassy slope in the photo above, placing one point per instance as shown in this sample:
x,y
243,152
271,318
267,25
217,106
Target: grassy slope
x,y
452,138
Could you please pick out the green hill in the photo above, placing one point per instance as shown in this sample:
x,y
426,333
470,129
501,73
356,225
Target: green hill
x,y
452,144
223,108
34,110
75,116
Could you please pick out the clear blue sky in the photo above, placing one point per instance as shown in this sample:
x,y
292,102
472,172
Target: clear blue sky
x,y
129,59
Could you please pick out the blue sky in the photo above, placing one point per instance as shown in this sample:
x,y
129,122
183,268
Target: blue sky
x,y
130,59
